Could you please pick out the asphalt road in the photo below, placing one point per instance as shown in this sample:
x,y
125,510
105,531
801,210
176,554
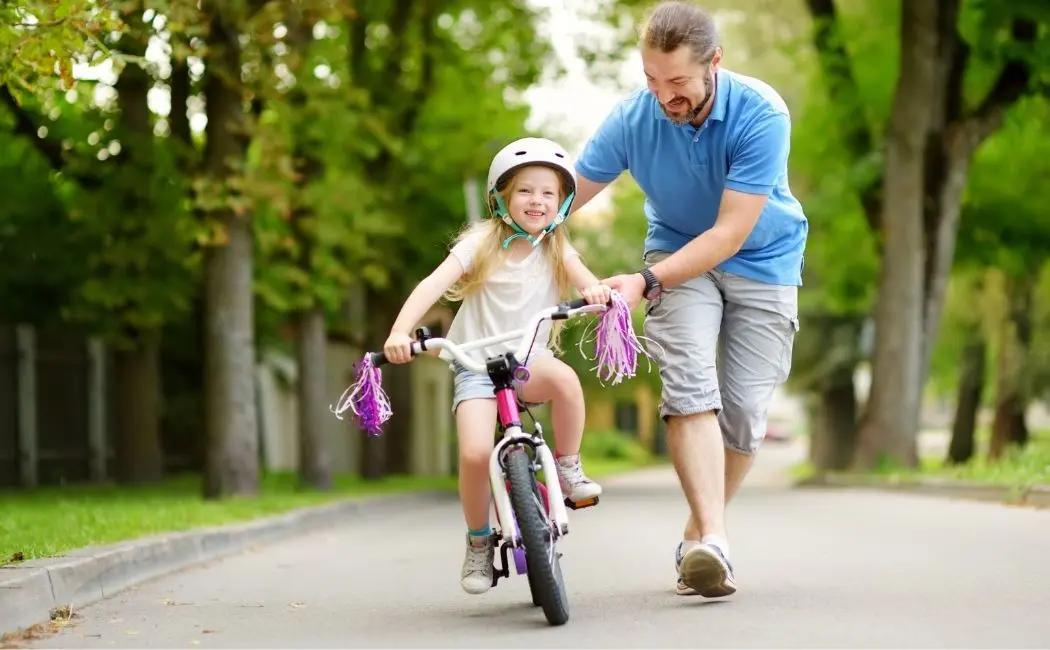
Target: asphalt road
x,y
826,569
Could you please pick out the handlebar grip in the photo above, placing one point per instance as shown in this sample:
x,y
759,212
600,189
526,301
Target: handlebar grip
x,y
575,304
378,358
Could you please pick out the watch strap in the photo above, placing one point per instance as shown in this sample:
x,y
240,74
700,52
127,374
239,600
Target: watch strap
x,y
651,283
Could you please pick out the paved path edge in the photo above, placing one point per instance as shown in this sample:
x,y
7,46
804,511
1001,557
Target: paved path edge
x,y
31,590
1035,495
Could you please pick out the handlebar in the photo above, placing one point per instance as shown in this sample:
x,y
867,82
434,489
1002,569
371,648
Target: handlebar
x,y
563,311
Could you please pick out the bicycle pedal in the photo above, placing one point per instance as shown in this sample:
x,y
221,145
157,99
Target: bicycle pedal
x,y
583,503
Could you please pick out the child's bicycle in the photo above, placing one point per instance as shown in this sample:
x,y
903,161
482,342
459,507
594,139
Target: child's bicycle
x,y
531,514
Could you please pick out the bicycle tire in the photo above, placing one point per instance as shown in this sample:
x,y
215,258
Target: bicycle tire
x,y
546,583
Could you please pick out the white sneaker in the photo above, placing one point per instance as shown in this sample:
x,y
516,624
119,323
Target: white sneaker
x,y
476,577
574,483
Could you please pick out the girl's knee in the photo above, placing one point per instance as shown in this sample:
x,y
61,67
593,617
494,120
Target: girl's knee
x,y
567,384
474,456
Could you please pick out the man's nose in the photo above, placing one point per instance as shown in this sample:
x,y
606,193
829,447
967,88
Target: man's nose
x,y
667,96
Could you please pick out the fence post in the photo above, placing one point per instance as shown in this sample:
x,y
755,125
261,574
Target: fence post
x,y
96,403
28,448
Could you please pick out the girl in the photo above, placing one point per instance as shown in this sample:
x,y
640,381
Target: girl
x,y
504,271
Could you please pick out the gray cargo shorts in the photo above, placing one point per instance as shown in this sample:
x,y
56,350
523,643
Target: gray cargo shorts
x,y
749,325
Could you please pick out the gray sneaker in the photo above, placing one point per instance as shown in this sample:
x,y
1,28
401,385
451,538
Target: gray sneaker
x,y
706,571
476,577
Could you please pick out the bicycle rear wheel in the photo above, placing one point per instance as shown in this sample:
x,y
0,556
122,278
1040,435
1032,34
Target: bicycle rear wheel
x,y
544,569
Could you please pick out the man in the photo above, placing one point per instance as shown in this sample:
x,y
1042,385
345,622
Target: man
x,y
723,260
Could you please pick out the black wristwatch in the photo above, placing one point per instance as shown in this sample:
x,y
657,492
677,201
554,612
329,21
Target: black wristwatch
x,y
653,288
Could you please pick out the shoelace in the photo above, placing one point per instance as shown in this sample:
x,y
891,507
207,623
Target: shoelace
x,y
477,561
573,474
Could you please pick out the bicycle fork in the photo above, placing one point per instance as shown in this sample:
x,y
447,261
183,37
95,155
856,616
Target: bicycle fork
x,y
501,498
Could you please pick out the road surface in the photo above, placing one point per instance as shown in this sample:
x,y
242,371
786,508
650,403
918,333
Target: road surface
x,y
827,569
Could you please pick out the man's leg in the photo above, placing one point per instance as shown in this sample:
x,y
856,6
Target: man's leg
x,y
759,326
759,323
737,466
684,324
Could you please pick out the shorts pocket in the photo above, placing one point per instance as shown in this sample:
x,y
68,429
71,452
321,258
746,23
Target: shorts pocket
x,y
792,327
652,305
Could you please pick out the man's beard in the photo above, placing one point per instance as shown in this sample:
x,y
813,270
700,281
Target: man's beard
x,y
691,114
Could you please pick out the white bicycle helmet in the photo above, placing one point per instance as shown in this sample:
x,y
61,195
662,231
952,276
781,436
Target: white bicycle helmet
x,y
529,151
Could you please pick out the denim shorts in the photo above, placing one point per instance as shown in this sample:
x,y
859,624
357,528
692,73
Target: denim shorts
x,y
472,385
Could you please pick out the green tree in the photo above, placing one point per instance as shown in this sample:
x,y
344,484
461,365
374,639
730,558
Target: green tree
x,y
983,57
1004,228
43,39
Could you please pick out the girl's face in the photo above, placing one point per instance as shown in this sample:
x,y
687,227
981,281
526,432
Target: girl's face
x,y
535,196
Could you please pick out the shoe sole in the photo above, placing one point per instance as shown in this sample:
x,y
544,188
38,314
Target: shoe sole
x,y
684,590
706,574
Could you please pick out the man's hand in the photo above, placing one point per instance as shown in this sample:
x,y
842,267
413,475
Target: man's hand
x,y
631,285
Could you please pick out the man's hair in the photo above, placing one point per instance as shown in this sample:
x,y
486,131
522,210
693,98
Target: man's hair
x,y
674,24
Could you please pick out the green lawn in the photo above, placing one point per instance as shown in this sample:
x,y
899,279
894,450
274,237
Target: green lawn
x,y
50,521
1019,468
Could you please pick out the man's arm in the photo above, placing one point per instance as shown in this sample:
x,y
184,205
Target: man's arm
x,y
752,176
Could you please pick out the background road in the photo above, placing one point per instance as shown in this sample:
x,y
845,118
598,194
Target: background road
x,y
835,568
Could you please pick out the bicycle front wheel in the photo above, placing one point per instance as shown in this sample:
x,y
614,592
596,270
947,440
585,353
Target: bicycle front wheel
x,y
543,566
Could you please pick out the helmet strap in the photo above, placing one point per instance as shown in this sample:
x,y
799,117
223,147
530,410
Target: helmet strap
x,y
501,212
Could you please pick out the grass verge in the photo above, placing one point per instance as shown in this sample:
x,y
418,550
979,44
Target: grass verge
x,y
1018,468
50,521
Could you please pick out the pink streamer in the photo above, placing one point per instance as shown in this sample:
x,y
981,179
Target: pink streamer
x,y
616,346
365,398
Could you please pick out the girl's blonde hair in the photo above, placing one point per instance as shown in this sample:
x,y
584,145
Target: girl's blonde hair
x,y
490,254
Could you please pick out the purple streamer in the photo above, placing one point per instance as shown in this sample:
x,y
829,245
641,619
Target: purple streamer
x,y
365,398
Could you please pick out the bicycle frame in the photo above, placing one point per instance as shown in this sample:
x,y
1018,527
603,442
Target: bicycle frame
x,y
501,370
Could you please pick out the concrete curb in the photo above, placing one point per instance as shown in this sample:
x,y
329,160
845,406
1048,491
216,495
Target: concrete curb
x,y
1036,495
30,590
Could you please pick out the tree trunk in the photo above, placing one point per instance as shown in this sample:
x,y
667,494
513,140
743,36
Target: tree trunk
x,y
837,413
943,201
138,448
232,465
829,355
137,444
1011,401
388,453
312,333
315,470
968,399
892,417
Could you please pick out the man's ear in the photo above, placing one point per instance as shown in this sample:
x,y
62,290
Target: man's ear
x,y
716,60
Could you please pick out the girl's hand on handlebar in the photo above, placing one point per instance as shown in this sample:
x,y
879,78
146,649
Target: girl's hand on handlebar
x,y
598,294
398,348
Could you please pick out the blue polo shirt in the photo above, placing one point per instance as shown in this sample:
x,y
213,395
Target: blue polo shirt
x,y
743,145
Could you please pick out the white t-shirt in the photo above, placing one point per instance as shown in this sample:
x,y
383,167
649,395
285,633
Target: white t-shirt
x,y
513,294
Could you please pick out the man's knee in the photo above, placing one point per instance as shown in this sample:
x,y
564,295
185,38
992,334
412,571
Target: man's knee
x,y
744,424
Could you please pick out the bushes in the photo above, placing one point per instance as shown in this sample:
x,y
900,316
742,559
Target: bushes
x,y
612,444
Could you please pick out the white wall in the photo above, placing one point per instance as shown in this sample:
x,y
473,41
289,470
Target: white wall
x,y
432,423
